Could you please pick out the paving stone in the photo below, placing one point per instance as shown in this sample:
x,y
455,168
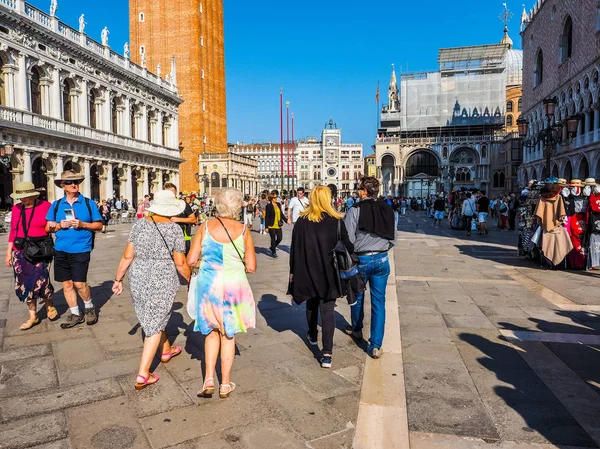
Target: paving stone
x,y
352,373
23,376
104,369
502,311
61,444
25,353
347,404
211,441
321,383
264,434
438,335
299,411
422,319
57,399
468,322
13,324
114,337
259,356
19,434
55,334
188,423
70,354
340,440
445,354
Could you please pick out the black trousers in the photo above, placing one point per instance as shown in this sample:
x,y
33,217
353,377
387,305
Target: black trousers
x,y
512,216
327,321
276,237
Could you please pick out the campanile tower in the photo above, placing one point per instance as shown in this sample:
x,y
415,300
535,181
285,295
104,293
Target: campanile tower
x,y
193,32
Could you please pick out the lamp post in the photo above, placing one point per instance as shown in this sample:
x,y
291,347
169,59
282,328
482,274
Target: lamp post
x,y
551,135
204,178
6,151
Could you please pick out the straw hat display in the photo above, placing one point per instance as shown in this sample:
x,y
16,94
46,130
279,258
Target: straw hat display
x,y
590,182
576,183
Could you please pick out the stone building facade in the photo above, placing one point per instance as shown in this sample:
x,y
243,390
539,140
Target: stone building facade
x,y
70,102
220,170
194,33
561,43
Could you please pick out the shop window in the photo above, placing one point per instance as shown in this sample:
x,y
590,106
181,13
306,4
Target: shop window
x,y
566,41
538,75
509,106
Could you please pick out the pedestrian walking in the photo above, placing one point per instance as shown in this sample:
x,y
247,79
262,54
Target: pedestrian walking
x,y
185,219
274,219
104,210
371,230
32,277
140,209
262,205
74,218
313,278
513,207
483,209
296,206
439,206
468,211
249,215
224,305
503,213
153,256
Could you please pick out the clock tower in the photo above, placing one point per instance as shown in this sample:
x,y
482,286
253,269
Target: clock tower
x,y
331,138
192,32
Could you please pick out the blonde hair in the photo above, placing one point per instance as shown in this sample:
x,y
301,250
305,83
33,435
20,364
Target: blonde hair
x,y
228,203
319,204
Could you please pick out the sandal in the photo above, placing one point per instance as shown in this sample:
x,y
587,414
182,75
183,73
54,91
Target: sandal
x,y
142,385
51,313
207,391
174,352
29,324
231,386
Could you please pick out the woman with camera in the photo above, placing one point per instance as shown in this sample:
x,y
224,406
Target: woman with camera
x,y
32,277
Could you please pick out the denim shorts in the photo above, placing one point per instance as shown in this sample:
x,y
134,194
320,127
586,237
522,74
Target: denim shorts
x,y
482,216
439,215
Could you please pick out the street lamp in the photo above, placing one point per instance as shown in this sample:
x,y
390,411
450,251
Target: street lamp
x,y
550,136
6,150
204,178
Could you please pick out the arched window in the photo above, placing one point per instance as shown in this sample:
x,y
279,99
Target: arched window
x,y
421,162
36,95
92,106
520,105
445,152
496,179
538,75
566,41
113,114
66,101
164,132
149,128
132,118
509,106
484,151
509,121
502,179
215,179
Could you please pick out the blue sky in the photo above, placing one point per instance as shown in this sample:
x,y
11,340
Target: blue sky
x,y
328,56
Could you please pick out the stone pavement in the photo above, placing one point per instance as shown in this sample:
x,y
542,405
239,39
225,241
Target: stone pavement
x,y
486,350
496,351
74,388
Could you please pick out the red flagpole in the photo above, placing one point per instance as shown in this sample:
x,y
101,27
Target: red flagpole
x,y
287,141
293,154
281,131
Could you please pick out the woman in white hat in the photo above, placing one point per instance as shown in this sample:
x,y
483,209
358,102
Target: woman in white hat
x,y
155,253
32,279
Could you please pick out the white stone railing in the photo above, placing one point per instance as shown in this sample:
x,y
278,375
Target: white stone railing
x,y
54,25
72,129
442,139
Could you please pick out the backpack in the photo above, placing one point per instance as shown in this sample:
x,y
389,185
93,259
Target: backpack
x,y
89,208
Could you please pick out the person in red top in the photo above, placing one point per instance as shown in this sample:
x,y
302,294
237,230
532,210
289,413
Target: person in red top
x,y
32,280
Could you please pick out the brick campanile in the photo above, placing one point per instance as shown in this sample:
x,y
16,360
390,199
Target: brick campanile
x,y
193,32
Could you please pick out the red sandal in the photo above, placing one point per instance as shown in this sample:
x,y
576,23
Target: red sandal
x,y
174,352
141,386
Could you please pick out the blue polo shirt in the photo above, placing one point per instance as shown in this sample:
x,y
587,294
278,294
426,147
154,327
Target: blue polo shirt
x,y
74,240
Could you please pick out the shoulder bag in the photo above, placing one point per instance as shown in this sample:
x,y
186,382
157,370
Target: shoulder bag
x,y
231,240
35,249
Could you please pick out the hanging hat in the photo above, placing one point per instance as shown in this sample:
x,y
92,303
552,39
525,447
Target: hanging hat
x,y
166,204
68,175
590,182
551,180
562,182
24,190
576,183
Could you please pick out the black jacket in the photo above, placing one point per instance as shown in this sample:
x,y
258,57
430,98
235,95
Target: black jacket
x,y
270,215
311,260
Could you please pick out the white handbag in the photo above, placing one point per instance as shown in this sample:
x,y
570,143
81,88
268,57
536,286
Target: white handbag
x,y
192,301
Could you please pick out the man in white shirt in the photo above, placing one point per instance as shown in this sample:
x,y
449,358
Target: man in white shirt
x,y
296,206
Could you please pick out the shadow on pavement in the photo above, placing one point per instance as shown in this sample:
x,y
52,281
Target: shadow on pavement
x,y
100,295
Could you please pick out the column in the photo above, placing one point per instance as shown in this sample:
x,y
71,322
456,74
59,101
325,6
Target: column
x,y
126,118
145,186
9,86
84,115
159,180
127,191
22,87
74,99
158,124
142,126
27,166
596,122
108,188
45,94
107,114
174,133
55,109
87,183
59,167
176,179
587,129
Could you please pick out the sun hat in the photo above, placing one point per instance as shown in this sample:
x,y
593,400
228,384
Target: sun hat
x,y
576,183
166,204
24,190
590,182
68,175
562,181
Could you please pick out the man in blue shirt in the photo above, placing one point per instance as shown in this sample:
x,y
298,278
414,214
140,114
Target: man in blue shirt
x,y
74,218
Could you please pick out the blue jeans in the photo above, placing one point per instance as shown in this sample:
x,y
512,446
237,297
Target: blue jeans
x,y
375,270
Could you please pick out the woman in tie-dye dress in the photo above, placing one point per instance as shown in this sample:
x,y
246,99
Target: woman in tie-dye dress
x,y
224,305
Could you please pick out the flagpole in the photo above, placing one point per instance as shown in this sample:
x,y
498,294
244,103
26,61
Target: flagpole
x,y
281,133
287,142
293,155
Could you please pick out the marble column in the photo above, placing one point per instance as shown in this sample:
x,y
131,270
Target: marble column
x,y
107,114
108,188
174,132
9,85
58,171
22,87
159,180
596,122
27,166
87,183
145,184
126,129
83,118
45,95
127,192
55,97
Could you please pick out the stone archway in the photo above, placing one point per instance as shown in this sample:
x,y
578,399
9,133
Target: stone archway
x,y
6,185
422,172
116,182
95,172
38,175
568,171
584,169
387,174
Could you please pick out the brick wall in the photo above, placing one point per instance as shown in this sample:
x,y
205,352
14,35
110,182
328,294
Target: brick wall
x,y
195,36
544,33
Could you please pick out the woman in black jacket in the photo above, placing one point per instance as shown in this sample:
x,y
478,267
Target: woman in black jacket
x,y
274,219
313,277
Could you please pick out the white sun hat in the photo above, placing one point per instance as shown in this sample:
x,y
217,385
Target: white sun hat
x,y
166,204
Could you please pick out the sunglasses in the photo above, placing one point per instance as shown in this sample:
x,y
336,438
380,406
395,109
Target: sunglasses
x,y
75,183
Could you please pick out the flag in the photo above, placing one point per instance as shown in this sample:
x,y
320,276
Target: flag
x,y
377,94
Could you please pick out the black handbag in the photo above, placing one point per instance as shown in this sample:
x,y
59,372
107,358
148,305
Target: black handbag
x,y
346,264
35,249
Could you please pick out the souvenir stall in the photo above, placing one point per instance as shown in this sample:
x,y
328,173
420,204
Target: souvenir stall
x,y
528,224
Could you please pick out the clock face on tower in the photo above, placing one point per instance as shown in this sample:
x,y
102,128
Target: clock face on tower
x,y
330,141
